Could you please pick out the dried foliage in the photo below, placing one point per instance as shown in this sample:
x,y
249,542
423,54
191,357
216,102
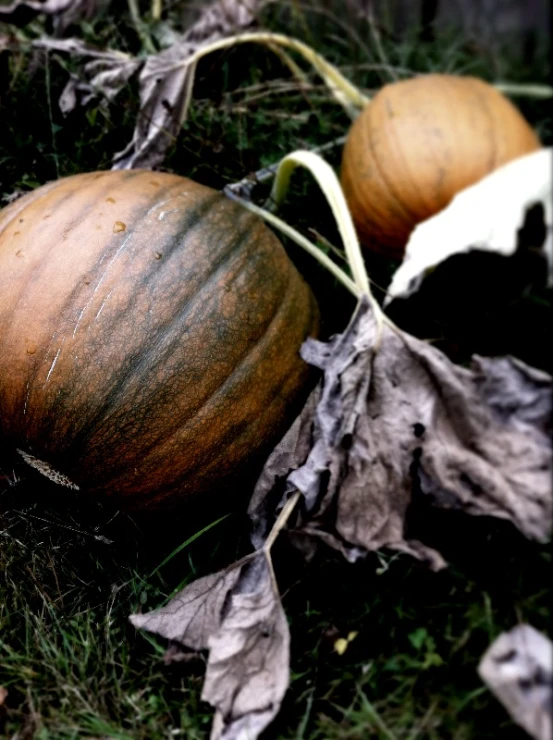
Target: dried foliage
x,y
390,417
237,615
518,669
166,82
65,12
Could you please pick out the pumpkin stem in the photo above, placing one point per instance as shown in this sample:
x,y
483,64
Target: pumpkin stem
x,y
342,90
525,90
300,240
325,176
280,523
329,184
276,529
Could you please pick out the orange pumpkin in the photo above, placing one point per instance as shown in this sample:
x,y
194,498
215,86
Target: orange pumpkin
x,y
149,336
419,142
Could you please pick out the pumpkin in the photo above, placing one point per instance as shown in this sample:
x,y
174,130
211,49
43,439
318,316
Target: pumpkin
x,y
149,336
418,143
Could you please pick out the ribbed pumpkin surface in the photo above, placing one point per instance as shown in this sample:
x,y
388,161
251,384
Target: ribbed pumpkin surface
x,y
149,335
417,144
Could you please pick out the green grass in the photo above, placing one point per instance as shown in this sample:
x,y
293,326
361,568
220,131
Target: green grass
x,y
75,668
71,570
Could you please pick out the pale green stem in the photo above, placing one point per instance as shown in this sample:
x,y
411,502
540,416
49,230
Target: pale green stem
x,y
301,241
328,182
524,91
341,88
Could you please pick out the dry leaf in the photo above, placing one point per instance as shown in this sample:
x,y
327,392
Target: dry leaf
x,y
66,12
487,216
403,417
106,72
390,414
3,695
194,613
106,77
518,669
237,615
166,82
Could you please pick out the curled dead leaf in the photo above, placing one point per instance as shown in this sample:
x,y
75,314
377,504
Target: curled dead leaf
x,y
66,12
403,418
390,415
166,81
518,669
237,616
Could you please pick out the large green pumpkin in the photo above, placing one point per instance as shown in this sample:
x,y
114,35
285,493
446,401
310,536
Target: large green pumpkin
x,y
149,336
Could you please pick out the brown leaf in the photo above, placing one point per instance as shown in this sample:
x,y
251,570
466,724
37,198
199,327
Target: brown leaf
x,y
237,615
403,417
166,82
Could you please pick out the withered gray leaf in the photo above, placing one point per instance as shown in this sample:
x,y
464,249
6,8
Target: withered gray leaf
x,y
248,668
166,82
194,613
105,77
237,615
66,12
518,669
405,417
289,454
390,415
105,74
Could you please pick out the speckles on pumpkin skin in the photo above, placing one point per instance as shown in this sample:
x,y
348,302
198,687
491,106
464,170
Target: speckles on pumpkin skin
x,y
118,227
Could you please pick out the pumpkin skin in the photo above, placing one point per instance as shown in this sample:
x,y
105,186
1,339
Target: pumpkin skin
x,y
149,336
418,143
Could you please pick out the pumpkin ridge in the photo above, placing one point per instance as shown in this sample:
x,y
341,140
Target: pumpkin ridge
x,y
395,144
407,216
10,213
147,356
438,155
173,241
232,435
483,101
160,357
371,212
73,294
366,138
203,404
